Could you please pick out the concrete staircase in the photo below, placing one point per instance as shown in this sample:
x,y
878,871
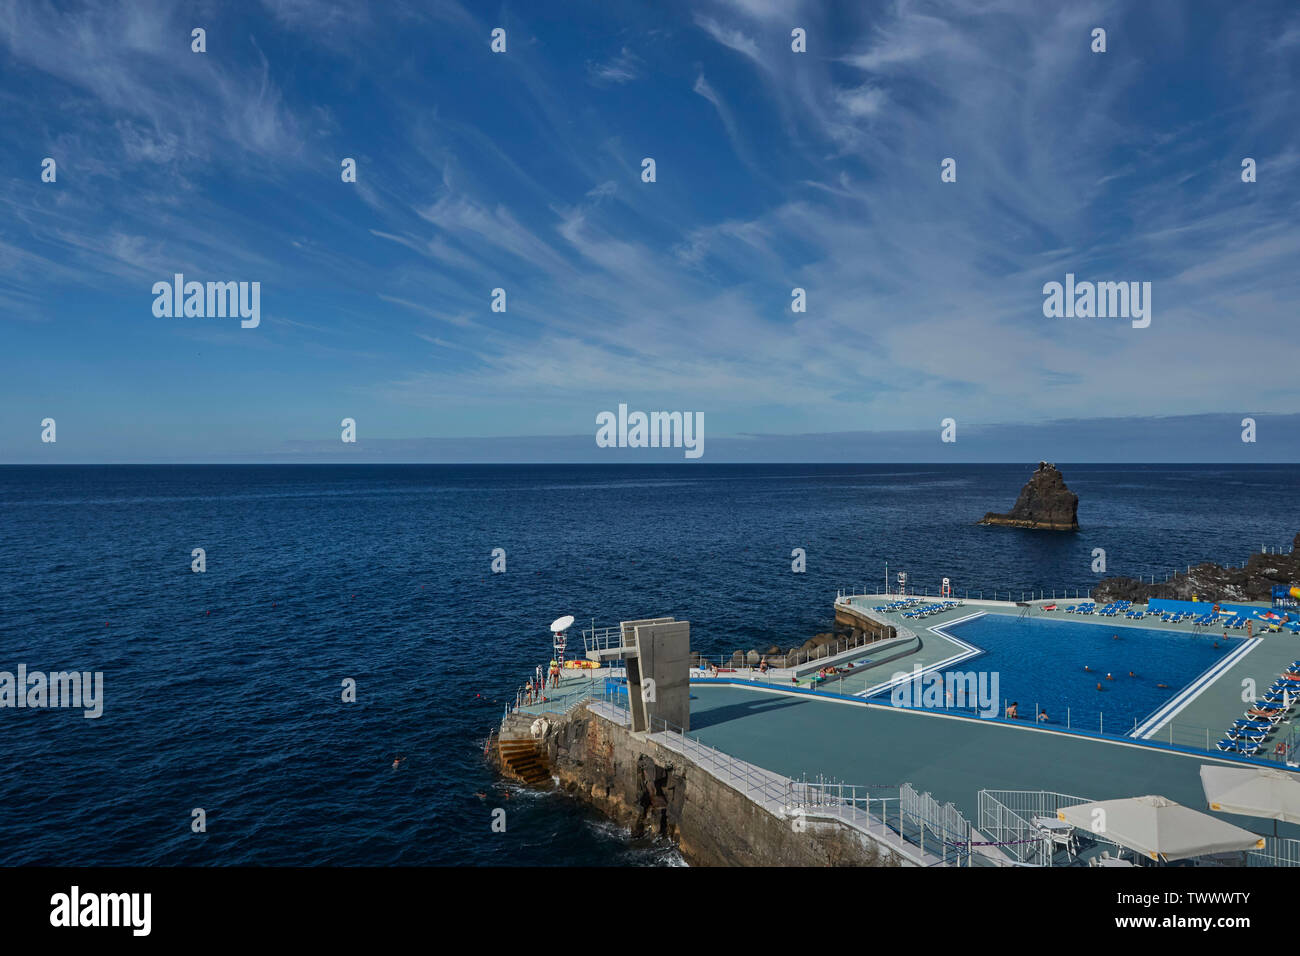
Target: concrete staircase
x,y
520,758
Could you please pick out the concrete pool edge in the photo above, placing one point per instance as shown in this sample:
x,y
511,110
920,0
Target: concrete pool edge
x,y
1164,712
968,651
1179,702
1005,724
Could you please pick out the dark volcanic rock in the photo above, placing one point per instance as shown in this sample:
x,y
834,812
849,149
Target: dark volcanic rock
x,y
1211,582
1044,503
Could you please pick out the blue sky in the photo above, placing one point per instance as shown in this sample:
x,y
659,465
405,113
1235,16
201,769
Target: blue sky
x,y
522,171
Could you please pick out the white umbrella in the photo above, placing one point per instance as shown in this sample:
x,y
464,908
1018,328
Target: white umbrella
x,y
1253,792
1158,828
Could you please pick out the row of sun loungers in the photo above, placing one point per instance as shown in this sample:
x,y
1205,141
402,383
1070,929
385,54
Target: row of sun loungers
x,y
1110,610
1228,621
1248,734
927,609
904,605
917,608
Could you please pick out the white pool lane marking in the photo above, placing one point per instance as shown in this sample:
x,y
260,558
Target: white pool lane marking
x,y
1179,701
967,651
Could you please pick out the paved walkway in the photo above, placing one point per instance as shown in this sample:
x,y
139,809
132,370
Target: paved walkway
x,y
774,792
953,758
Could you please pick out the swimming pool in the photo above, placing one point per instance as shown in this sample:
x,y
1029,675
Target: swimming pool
x,y
1041,662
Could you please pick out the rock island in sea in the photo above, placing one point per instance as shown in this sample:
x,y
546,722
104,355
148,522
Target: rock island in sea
x,y
1044,503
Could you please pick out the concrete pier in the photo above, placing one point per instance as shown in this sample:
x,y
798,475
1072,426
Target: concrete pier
x,y
718,811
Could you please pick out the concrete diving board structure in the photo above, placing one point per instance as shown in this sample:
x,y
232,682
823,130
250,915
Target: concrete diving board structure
x,y
656,652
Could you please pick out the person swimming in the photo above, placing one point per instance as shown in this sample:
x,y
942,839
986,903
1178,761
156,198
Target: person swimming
x,y
1131,674
1087,669
1098,685
1163,686
398,762
1108,677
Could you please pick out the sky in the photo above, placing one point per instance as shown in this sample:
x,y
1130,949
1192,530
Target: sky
x,y
774,170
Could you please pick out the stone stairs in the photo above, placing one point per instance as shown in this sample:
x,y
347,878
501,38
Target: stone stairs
x,y
521,758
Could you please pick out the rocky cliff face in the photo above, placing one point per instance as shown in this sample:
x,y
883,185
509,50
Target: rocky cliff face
x,y
1212,582
658,793
1044,503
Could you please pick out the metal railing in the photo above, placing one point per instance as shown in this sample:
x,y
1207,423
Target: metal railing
x,y
1010,595
950,831
1278,851
938,832
602,638
790,661
900,629
580,684
1006,818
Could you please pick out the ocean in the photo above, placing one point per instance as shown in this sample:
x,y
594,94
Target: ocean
x,y
223,690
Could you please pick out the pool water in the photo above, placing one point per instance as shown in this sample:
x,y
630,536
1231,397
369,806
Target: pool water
x,y
1041,661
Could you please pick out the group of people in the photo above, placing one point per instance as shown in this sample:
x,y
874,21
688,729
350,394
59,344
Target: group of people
x,y
827,672
535,689
1013,712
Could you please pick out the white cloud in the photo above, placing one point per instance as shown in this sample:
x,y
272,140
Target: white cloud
x,y
730,37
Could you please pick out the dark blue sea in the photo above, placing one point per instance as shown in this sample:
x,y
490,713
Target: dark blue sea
x,y
223,689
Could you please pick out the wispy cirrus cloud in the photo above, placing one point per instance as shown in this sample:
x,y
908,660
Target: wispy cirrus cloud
x,y
775,170
625,67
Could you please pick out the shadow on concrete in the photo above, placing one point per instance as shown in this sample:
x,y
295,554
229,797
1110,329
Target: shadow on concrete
x,y
727,712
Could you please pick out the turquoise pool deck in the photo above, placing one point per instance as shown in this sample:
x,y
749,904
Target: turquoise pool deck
x,y
573,689
951,757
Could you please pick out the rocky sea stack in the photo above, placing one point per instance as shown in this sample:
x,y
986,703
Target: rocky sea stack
x,y
1044,503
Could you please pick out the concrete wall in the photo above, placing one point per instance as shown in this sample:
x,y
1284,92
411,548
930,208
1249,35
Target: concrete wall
x,y
655,792
848,616
663,652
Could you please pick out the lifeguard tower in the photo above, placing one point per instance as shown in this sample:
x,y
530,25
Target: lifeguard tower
x,y
560,637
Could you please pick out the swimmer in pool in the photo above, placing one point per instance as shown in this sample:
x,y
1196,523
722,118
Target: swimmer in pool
x,y
1163,686
1108,677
